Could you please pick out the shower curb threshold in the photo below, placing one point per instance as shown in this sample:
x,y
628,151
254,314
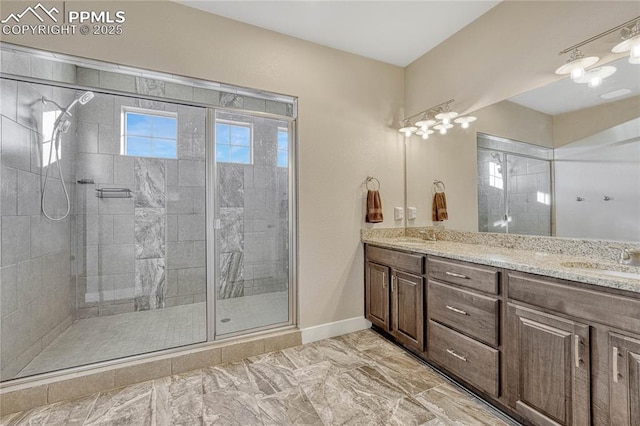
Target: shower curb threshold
x,y
25,394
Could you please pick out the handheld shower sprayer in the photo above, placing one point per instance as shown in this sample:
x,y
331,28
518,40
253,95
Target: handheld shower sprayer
x,y
61,125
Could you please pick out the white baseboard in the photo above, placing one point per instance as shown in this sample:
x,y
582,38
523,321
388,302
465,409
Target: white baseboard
x,y
332,329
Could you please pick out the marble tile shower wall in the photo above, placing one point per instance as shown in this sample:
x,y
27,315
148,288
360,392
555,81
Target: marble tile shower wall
x,y
145,252
36,280
254,204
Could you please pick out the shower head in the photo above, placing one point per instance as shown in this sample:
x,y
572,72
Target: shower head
x,y
85,97
497,156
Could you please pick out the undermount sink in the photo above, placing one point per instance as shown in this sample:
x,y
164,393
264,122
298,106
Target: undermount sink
x,y
622,271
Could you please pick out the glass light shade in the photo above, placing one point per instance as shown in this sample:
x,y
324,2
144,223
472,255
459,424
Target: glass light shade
x,y
577,73
425,123
626,45
576,64
634,56
443,130
595,82
464,121
596,73
448,116
407,128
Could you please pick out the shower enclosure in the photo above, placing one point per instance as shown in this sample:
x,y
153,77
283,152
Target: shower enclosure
x,y
514,187
137,219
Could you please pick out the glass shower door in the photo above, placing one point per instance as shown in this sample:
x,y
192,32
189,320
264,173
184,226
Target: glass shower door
x,y
492,188
252,213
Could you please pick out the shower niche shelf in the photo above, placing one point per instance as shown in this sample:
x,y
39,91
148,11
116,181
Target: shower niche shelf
x,y
114,193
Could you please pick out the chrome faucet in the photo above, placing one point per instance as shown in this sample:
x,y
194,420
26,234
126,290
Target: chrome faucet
x,y
429,235
628,257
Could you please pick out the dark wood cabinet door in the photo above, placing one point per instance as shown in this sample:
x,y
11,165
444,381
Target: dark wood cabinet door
x,y
624,381
377,295
407,321
548,367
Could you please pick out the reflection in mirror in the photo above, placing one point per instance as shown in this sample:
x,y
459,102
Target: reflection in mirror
x,y
596,136
514,187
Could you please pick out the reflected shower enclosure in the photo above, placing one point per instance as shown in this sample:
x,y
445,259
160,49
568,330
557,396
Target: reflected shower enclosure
x,y
106,251
514,187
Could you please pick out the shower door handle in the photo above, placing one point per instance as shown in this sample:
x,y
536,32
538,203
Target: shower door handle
x,y
217,224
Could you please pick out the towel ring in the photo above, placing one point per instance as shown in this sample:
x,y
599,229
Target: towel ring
x,y
436,186
371,179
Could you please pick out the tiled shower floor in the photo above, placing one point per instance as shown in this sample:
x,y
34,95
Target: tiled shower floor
x,y
247,312
98,339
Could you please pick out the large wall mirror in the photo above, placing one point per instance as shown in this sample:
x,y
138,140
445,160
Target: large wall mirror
x,y
560,160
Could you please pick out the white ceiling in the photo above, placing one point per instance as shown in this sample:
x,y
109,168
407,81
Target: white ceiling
x,y
396,32
565,96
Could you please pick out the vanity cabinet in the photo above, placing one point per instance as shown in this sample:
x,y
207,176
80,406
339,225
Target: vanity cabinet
x,y
394,295
546,350
548,367
624,385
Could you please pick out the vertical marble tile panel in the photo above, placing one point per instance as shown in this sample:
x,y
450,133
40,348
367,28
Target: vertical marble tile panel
x,y
231,279
148,86
150,284
150,233
149,183
231,185
231,100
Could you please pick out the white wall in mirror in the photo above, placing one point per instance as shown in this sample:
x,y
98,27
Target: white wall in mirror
x,y
597,182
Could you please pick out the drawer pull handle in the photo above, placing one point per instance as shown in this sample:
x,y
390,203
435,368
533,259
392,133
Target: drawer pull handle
x,y
384,280
615,372
453,353
453,274
576,340
393,280
456,310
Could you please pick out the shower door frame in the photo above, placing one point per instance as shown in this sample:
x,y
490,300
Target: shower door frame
x,y
212,223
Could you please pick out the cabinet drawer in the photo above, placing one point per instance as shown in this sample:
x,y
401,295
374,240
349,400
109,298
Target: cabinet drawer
x,y
481,278
467,312
569,298
396,259
468,359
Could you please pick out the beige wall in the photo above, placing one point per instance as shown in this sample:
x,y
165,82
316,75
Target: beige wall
x,y
346,107
509,50
576,125
451,158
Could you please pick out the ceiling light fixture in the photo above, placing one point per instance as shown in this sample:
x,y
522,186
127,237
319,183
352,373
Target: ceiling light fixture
x,y
438,118
630,42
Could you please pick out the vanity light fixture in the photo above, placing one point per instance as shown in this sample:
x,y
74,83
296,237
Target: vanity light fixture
x,y
438,118
407,128
594,76
464,121
577,64
630,42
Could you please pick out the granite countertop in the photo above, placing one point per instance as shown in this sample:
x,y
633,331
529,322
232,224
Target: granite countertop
x,y
572,268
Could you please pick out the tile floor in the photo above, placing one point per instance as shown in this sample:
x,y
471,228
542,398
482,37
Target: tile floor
x,y
356,379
